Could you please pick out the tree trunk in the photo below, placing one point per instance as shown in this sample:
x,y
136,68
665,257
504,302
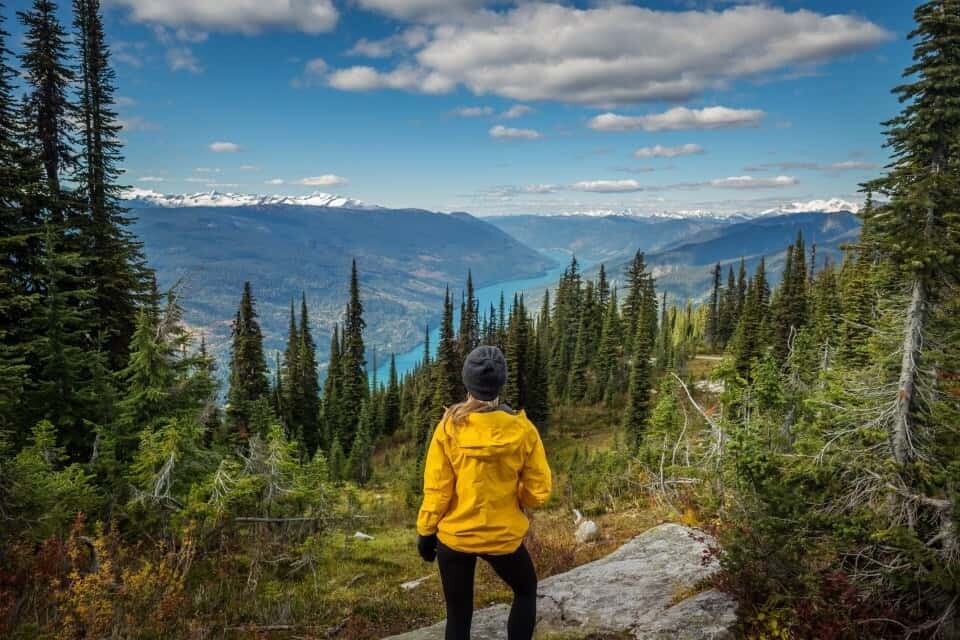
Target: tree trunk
x,y
902,434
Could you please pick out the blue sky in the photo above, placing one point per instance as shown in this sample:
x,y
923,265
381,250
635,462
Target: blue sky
x,y
509,107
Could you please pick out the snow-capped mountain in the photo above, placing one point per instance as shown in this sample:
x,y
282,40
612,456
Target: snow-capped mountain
x,y
833,205
150,198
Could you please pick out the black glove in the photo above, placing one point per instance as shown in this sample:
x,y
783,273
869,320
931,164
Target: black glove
x,y
427,547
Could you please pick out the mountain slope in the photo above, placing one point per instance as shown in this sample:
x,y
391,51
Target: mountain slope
x,y
405,259
601,238
683,269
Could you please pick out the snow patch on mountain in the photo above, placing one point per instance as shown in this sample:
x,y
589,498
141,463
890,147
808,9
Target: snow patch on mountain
x,y
833,205
150,198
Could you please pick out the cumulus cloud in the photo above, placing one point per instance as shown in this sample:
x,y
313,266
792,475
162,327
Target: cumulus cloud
x,y
615,54
472,112
423,9
516,111
679,118
749,182
326,180
659,151
221,146
607,186
412,38
364,78
509,133
243,16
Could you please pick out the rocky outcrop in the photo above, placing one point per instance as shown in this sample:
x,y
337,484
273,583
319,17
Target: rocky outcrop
x,y
643,588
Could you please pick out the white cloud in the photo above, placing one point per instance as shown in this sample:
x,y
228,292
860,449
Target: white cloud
x,y
221,185
326,180
509,133
412,38
679,118
423,9
196,179
182,59
516,111
275,181
472,112
852,165
616,54
607,186
749,182
207,169
249,167
659,151
314,73
364,78
244,16
151,179
225,147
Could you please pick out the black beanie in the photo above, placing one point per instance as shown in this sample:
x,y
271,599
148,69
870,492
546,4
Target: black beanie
x,y
485,372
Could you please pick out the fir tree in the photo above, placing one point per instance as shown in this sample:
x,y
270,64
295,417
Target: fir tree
x,y
448,386
289,375
469,334
391,401
248,368
713,311
115,262
637,411
309,381
353,363
51,115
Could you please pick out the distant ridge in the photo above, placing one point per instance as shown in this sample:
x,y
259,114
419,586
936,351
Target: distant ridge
x,y
829,205
150,198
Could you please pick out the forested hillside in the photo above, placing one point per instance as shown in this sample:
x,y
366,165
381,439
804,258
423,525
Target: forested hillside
x,y
811,420
408,256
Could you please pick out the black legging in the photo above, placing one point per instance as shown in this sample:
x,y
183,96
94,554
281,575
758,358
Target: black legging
x,y
516,569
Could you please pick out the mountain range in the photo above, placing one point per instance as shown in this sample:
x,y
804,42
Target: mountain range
x,y
405,259
210,243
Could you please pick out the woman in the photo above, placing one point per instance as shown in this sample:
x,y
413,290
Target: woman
x,y
485,463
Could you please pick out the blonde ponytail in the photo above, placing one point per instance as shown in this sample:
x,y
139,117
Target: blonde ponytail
x,y
459,412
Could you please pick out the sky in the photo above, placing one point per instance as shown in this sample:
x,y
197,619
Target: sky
x,y
508,107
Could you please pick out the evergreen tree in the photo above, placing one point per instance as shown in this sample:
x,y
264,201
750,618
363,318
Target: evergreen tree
x,y
713,311
608,355
392,399
635,275
516,391
448,385
248,368
45,62
469,334
728,314
289,376
637,411
353,363
115,262
309,381
331,391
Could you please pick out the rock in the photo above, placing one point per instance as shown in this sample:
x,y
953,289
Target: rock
x,y
413,584
587,531
634,590
359,535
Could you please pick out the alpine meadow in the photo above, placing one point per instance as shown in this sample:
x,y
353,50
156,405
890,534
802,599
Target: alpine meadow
x,y
716,243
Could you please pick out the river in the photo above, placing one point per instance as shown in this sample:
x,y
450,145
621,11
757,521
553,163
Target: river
x,y
486,296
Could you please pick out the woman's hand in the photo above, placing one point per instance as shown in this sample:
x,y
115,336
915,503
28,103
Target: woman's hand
x,y
427,547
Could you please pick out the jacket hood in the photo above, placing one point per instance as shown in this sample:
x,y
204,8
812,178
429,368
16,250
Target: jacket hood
x,y
490,434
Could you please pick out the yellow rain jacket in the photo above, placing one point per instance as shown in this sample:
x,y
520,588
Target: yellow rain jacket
x,y
476,478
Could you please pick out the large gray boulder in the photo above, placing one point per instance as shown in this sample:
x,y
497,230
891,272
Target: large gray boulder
x,y
643,588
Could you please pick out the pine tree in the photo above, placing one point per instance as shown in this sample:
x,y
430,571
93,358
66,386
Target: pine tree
x,y
448,386
608,355
728,314
115,261
353,363
51,115
248,368
392,399
635,274
309,381
637,411
289,376
713,311
331,391
603,288
917,228
469,334
516,391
